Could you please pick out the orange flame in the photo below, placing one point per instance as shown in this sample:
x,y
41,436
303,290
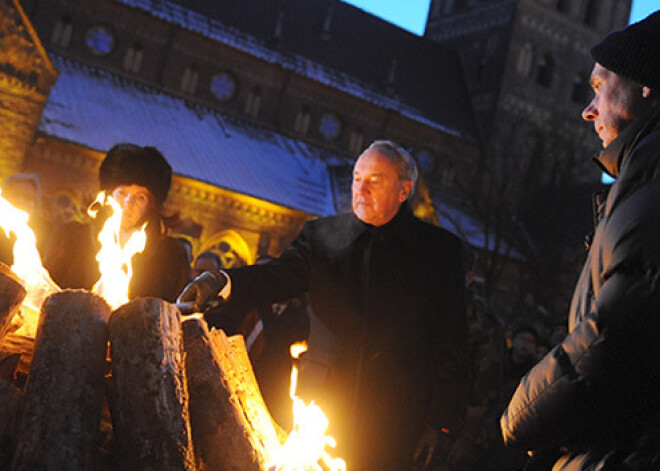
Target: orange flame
x,y
27,265
304,449
114,257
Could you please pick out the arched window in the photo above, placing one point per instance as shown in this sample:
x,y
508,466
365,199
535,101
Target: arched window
x,y
62,32
564,6
525,59
303,118
133,59
190,79
592,13
356,141
580,90
545,71
253,103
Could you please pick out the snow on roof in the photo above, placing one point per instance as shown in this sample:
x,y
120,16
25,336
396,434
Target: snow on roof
x,y
97,109
213,29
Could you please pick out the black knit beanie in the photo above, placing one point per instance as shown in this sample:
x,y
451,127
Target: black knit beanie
x,y
128,164
633,52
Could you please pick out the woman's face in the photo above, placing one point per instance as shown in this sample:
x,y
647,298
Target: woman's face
x,y
135,201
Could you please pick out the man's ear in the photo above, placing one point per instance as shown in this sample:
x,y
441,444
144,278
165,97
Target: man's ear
x,y
406,189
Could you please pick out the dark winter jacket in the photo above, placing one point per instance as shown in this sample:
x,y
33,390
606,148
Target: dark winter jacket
x,y
598,391
394,298
161,270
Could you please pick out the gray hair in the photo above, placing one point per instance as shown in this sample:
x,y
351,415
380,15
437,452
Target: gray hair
x,y
407,168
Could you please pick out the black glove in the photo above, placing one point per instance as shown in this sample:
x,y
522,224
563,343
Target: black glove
x,y
203,291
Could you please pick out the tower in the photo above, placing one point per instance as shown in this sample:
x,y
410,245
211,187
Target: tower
x,y
527,66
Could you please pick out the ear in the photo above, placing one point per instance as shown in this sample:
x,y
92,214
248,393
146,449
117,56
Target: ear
x,y
406,188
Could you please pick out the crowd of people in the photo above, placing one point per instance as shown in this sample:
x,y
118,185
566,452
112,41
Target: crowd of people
x,y
422,374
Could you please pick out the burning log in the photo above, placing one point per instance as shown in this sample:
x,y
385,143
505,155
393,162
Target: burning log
x,y
59,423
12,294
231,426
149,400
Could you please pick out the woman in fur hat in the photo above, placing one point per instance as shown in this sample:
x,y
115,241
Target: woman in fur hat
x,y
139,179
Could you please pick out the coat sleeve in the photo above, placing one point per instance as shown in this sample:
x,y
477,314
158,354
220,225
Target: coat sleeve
x,y
598,382
279,280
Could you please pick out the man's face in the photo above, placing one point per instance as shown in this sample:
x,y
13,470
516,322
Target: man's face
x,y
203,264
524,345
377,189
617,102
134,201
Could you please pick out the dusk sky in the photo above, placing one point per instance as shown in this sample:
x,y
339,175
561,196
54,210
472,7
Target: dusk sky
x,y
411,14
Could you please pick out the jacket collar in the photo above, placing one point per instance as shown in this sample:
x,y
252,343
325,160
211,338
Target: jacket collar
x,y
611,158
398,227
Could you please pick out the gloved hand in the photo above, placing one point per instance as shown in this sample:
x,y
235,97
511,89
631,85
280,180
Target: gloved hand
x,y
203,290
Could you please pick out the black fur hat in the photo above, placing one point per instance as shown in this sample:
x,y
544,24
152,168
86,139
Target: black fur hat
x,y
128,164
633,52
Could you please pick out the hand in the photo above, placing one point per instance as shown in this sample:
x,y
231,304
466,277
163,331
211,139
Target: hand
x,y
203,290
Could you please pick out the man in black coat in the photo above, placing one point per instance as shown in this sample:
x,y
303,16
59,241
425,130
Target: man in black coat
x,y
595,395
391,289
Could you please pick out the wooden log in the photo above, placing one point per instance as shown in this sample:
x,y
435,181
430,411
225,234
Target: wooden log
x,y
59,423
231,426
10,397
149,400
12,294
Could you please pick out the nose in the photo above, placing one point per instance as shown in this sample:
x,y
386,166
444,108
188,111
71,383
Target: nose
x,y
590,112
360,186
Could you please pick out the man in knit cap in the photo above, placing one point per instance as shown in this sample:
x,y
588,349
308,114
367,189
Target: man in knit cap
x,y
595,396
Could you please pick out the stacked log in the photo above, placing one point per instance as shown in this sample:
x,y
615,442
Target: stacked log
x,y
149,400
59,424
231,426
12,294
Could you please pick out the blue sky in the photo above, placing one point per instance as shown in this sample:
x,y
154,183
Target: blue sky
x,y
411,14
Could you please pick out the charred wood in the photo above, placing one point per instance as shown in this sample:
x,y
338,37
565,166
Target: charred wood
x,y
59,422
149,399
12,294
231,426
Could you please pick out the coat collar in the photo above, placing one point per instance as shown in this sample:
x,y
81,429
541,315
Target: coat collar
x,y
399,227
611,158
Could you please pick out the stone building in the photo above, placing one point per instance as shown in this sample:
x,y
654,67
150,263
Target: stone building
x,y
260,107
527,66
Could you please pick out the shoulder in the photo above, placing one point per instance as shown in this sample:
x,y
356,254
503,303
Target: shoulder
x,y
437,236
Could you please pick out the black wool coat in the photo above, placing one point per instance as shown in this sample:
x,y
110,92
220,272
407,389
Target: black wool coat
x,y
160,271
394,298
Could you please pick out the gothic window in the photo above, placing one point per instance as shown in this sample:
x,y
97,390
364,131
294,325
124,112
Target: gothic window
x,y
545,71
525,60
592,13
62,33
564,6
190,79
223,86
355,141
580,90
230,247
330,126
100,40
253,103
303,118
133,59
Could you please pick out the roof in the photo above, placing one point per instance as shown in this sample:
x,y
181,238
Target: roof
x,y
340,46
97,109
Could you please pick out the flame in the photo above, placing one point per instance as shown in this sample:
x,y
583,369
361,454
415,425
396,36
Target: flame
x,y
304,449
114,257
27,265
